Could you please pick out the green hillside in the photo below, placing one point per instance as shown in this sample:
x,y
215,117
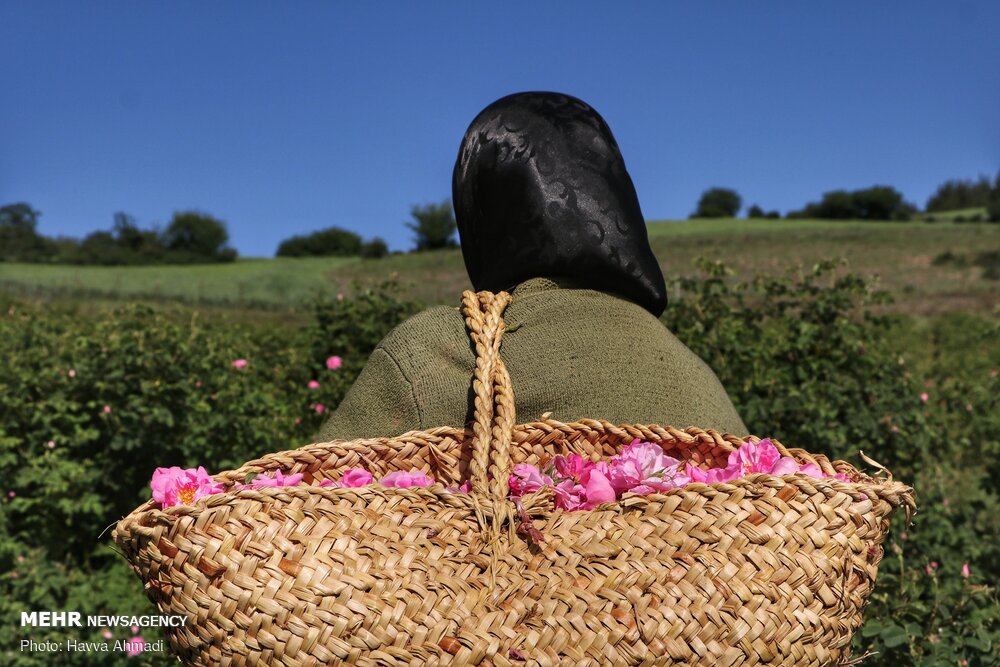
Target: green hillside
x,y
276,281
901,255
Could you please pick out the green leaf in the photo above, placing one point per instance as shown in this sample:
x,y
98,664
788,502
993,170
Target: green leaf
x,y
894,635
872,629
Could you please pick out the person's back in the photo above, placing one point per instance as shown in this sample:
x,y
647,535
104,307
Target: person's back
x,y
541,194
577,353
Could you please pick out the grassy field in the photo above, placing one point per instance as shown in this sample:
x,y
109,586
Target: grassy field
x,y
899,255
966,213
274,281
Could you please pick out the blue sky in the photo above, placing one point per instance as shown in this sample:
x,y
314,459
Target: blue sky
x,y
283,118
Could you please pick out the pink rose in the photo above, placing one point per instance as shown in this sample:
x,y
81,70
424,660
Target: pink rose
x,y
135,645
355,477
597,490
643,464
319,408
174,486
240,364
334,362
812,470
712,475
753,458
571,466
279,479
313,384
527,478
786,466
404,480
569,495
965,570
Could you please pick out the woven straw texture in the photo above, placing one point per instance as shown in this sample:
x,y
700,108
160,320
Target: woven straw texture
x,y
762,570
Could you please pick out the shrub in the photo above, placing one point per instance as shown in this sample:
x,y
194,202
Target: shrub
x,y
755,212
804,361
90,406
989,261
801,356
948,258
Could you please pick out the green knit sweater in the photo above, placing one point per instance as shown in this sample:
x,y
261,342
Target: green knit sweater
x,y
576,353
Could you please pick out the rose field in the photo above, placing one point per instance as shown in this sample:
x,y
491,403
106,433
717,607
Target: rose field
x,y
895,351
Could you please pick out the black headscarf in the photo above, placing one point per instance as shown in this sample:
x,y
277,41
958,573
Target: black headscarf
x,y
540,189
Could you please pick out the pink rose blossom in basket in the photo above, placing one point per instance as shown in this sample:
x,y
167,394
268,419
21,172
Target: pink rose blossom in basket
x,y
279,479
578,483
355,477
466,487
403,480
175,486
643,468
527,479
350,479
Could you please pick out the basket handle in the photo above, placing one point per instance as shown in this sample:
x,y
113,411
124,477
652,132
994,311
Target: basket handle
x,y
494,398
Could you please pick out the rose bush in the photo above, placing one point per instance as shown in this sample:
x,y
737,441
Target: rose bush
x,y
90,406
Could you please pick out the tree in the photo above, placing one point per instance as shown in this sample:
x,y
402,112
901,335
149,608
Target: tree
x,y
126,231
835,205
20,217
194,236
718,203
755,212
374,249
139,246
330,242
958,194
434,226
993,207
19,240
100,248
879,202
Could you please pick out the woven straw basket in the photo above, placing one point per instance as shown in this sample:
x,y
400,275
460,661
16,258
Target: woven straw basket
x,y
762,570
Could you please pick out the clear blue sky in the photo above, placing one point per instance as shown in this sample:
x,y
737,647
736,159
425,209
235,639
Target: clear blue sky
x,y
283,118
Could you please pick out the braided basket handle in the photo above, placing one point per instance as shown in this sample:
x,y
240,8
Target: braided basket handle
x,y
494,397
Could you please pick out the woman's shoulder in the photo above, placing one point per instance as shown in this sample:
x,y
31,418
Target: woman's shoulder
x,y
431,327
